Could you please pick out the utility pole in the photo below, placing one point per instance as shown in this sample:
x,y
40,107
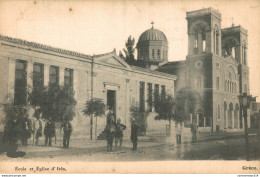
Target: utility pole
x,y
92,82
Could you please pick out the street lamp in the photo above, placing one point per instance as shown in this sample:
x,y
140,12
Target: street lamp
x,y
244,101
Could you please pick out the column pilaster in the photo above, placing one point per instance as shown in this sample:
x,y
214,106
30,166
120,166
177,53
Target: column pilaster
x,y
232,116
46,74
30,74
11,76
61,75
75,83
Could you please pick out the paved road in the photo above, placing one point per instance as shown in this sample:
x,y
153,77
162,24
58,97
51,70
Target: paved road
x,y
227,149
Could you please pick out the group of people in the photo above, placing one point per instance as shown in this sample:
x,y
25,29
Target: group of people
x,y
20,127
114,130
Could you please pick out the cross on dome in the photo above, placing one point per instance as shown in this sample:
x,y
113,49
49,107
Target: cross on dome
x,y
152,24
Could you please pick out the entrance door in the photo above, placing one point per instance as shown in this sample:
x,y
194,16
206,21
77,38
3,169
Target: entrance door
x,y
111,101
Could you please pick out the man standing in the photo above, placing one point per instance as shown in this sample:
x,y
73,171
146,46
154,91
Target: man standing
x,y
119,133
24,127
134,133
67,129
49,132
37,127
110,133
194,129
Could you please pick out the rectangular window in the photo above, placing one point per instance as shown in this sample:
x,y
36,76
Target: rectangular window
x,y
68,77
54,75
150,97
20,90
142,100
38,77
163,92
156,94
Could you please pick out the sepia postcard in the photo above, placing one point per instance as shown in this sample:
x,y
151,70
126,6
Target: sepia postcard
x,y
127,87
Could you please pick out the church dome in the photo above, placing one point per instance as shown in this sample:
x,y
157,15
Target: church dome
x,y
152,35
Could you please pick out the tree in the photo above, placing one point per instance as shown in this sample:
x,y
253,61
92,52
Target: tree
x,y
186,101
55,102
165,107
129,51
96,108
11,110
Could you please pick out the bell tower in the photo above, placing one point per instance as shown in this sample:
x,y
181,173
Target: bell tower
x,y
234,44
204,34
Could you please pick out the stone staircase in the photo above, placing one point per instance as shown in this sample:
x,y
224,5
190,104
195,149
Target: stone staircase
x,y
102,136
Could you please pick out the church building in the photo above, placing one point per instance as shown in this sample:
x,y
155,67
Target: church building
x,y
214,73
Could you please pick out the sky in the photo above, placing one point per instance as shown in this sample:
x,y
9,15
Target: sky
x,y
95,27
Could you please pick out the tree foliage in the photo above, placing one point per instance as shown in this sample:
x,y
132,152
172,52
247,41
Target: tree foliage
x,y
11,111
55,102
95,107
185,103
129,51
165,107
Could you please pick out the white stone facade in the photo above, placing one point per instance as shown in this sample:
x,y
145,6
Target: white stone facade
x,y
110,72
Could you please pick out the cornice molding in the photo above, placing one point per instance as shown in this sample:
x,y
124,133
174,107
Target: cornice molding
x,y
21,42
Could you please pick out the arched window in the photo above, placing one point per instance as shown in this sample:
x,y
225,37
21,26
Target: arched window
x,y
233,52
158,54
203,41
153,53
243,54
216,40
196,40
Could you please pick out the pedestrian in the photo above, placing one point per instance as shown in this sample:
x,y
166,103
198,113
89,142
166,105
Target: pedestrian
x,y
110,133
10,132
37,127
119,133
49,132
25,127
179,132
194,130
134,133
10,136
67,129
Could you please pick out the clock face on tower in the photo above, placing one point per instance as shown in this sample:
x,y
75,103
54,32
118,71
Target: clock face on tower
x,y
198,64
